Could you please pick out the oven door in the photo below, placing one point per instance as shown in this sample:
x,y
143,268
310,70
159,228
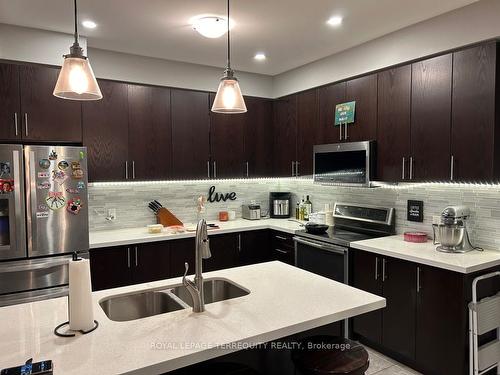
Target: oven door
x,y
344,163
322,258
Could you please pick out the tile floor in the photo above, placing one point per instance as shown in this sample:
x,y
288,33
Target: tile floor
x,y
382,365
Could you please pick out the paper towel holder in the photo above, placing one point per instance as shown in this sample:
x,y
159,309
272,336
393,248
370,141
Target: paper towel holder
x,y
72,334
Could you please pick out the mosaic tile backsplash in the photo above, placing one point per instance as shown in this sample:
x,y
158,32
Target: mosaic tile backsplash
x,y
131,201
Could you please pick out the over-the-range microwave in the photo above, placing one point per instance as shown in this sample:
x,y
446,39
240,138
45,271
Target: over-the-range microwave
x,y
350,163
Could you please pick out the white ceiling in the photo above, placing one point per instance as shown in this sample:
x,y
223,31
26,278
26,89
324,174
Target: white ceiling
x,y
291,32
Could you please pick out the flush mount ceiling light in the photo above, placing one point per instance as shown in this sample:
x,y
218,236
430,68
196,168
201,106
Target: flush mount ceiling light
x,y
229,98
89,24
76,79
260,56
210,26
335,21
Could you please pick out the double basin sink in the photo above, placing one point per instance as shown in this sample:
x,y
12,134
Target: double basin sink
x,y
146,303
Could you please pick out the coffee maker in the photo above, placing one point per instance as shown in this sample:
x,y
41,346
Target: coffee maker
x,y
279,204
451,233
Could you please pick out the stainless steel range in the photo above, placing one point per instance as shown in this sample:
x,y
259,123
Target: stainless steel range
x,y
43,219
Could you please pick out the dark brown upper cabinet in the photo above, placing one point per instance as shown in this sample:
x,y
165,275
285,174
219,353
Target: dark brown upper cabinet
x,y
46,118
10,104
190,134
308,130
393,131
329,97
258,137
474,125
363,90
227,133
105,133
430,119
150,133
285,136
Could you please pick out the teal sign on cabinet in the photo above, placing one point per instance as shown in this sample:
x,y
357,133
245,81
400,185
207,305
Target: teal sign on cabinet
x,y
344,113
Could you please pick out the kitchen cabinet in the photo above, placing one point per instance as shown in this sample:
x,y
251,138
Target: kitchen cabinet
x,y
285,136
105,133
329,97
190,134
110,267
308,127
430,119
225,250
363,90
282,247
227,133
474,125
46,118
258,137
182,251
150,133
10,103
254,247
393,132
150,262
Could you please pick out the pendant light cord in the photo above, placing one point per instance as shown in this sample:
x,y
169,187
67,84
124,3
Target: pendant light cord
x,y
228,39
76,23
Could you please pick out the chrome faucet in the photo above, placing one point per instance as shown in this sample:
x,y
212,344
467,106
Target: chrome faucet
x,y
202,252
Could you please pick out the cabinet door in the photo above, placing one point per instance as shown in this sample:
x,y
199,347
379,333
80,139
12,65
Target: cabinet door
x,y
307,130
285,135
399,287
150,132
363,90
182,251
110,267
227,148
393,133
151,262
45,117
366,275
258,137
190,134
430,118
282,247
329,97
473,113
254,247
10,107
105,133
225,253
441,327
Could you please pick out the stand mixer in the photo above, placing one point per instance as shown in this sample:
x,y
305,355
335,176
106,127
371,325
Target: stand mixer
x,y
452,231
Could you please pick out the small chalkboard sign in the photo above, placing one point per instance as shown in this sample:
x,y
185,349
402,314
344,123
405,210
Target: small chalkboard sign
x,y
415,211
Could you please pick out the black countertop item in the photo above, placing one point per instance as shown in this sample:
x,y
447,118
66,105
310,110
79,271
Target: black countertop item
x,y
336,236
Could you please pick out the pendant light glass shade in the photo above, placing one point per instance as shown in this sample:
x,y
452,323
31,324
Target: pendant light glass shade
x,y
229,98
77,81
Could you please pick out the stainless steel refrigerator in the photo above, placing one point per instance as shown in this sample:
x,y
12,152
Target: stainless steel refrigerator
x,y
43,219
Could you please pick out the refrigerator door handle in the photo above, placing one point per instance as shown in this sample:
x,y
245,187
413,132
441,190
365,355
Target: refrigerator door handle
x,y
31,202
19,242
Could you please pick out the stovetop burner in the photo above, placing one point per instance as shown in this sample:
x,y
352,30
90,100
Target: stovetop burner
x,y
337,236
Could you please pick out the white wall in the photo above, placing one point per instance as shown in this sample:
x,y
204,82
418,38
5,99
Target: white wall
x,y
473,23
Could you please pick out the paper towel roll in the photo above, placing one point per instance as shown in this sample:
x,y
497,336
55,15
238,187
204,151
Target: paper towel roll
x,y
81,313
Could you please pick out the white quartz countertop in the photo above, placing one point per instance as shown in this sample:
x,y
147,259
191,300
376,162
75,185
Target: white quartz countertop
x,y
426,253
120,237
283,300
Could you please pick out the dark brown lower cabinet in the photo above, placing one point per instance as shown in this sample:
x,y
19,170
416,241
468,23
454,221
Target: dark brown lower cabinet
x,y
225,252
254,247
110,267
182,251
282,247
150,262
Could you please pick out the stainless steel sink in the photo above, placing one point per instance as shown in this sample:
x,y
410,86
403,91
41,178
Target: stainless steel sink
x,y
139,305
142,304
215,290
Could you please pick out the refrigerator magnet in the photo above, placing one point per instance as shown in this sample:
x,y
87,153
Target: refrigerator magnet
x,y
44,163
59,176
74,206
62,165
6,185
42,215
43,174
53,155
55,200
80,185
4,169
77,173
72,191
43,185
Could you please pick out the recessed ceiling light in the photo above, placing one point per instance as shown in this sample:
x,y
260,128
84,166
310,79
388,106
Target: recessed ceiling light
x,y
335,21
89,24
260,56
211,26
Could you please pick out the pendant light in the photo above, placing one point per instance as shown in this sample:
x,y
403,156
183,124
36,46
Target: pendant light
x,y
228,98
76,79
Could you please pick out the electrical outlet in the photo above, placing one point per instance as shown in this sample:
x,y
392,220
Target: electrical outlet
x,y
111,214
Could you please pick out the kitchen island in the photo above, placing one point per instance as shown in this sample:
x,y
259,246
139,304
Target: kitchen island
x,y
283,300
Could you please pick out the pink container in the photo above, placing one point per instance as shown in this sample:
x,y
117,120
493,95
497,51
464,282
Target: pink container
x,y
417,237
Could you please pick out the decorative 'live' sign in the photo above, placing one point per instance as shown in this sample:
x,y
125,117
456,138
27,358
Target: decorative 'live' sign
x,y
217,197
344,113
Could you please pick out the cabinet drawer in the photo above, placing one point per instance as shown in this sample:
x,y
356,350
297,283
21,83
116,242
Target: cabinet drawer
x,y
282,240
284,255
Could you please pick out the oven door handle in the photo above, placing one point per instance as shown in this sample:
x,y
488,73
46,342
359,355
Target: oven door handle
x,y
319,245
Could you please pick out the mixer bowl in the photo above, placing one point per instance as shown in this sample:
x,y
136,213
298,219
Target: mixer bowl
x,y
449,235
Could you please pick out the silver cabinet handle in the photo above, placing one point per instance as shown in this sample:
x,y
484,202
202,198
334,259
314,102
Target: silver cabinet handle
x,y
403,169
297,168
136,262
376,268
293,168
15,124
340,128
411,167
128,257
280,238
247,169
215,169
281,251
133,170
26,130
346,134
418,280
384,275
239,242
452,167
126,169
208,168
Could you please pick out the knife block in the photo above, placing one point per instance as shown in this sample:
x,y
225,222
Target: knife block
x,y
167,218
